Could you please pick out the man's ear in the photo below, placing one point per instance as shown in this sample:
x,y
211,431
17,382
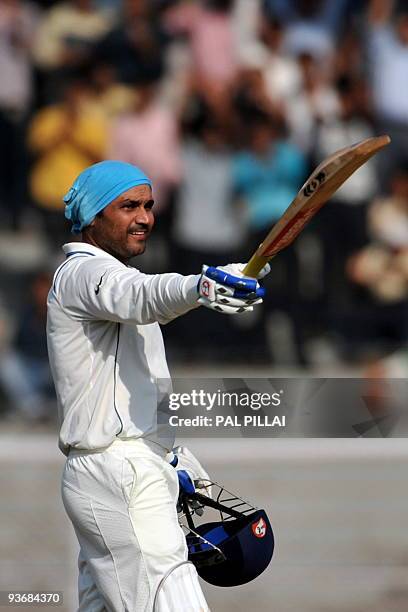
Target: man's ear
x,y
88,230
92,224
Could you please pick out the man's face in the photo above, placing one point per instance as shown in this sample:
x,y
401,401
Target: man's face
x,y
124,226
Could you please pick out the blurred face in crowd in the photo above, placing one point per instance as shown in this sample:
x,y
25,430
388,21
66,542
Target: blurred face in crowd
x,y
311,70
347,104
402,28
271,32
399,186
354,99
124,226
213,137
308,8
144,96
223,6
75,95
135,9
102,77
83,5
261,138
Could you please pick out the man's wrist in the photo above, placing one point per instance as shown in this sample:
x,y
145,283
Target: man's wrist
x,y
191,288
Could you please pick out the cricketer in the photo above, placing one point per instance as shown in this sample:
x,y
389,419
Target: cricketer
x,y
121,480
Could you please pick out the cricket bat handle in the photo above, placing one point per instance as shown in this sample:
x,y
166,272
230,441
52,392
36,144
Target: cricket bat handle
x,y
255,265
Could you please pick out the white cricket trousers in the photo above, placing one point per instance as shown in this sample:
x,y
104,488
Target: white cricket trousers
x,y
122,503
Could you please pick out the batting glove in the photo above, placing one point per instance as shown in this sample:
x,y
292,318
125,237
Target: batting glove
x,y
226,289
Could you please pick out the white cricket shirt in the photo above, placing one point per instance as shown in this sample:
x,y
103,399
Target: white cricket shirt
x,y
105,346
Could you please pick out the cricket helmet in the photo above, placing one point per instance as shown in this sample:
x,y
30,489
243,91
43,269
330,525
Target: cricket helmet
x,y
235,548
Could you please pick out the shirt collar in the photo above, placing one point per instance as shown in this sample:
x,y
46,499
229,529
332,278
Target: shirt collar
x,y
72,248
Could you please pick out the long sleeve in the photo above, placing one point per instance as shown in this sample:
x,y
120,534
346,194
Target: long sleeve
x,y
90,288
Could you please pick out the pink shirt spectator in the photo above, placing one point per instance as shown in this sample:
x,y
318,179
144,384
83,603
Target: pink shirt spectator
x,y
149,139
213,47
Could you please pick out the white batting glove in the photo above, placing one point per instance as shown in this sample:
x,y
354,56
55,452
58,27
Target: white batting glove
x,y
226,289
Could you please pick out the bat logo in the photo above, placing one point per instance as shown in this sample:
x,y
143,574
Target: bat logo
x,y
314,184
259,528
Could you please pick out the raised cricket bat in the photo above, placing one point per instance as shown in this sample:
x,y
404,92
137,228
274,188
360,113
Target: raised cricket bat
x,y
317,190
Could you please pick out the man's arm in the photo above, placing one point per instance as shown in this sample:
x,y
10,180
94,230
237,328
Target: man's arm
x,y
102,289
97,288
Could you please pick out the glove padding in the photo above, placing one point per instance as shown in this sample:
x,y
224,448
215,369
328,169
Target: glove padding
x,y
191,475
225,288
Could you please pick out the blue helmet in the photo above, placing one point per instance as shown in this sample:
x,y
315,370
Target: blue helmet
x,y
232,550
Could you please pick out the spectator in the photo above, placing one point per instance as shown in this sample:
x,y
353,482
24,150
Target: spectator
x,y
24,369
17,27
206,186
110,98
207,226
316,101
209,25
247,16
250,99
135,47
66,35
388,64
280,71
342,222
65,138
148,137
268,173
350,60
388,55
311,26
267,176
383,266
381,269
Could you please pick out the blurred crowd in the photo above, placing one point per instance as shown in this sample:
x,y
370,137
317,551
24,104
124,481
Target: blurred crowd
x,y
227,105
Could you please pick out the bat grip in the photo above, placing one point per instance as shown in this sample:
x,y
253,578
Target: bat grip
x,y
255,265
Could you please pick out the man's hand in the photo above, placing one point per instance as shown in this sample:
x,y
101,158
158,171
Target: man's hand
x,y
227,290
191,475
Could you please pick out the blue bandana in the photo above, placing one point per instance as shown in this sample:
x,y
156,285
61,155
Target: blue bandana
x,y
96,187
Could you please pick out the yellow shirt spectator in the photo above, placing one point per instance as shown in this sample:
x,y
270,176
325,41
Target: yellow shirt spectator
x,y
66,139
